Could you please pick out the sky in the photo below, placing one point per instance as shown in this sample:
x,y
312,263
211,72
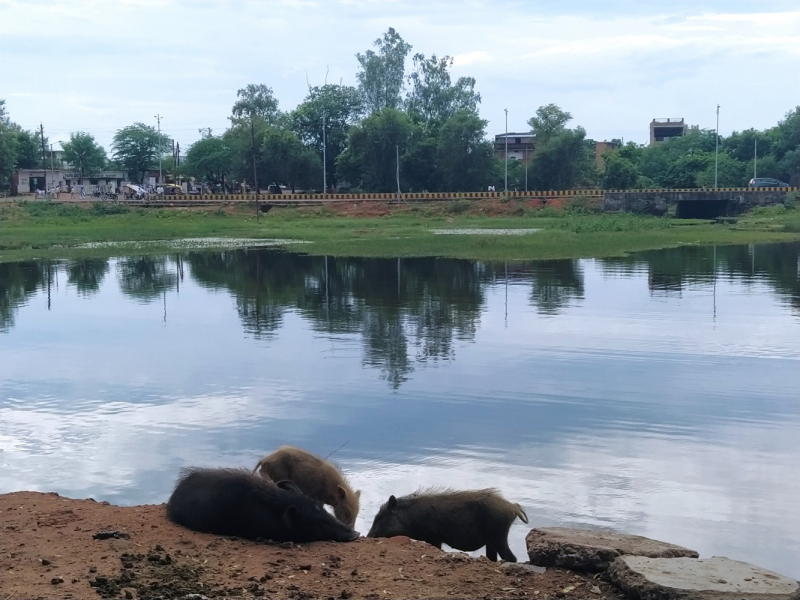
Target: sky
x,y
98,66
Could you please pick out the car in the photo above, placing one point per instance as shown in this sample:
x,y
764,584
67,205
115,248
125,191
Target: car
x,y
274,188
759,182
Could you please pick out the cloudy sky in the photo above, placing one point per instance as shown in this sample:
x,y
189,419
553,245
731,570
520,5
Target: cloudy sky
x,y
97,66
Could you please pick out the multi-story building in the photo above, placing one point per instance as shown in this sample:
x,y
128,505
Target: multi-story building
x,y
663,129
520,145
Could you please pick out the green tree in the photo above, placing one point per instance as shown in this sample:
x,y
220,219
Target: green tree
x,y
137,148
465,158
372,146
209,159
730,172
562,161
381,76
433,97
82,152
9,147
256,101
620,173
29,149
286,160
549,121
341,106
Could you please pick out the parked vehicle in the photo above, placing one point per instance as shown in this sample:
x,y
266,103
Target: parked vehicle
x,y
134,192
760,182
171,189
274,188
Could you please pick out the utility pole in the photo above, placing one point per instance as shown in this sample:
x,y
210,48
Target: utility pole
x,y
44,155
526,168
716,151
255,174
506,161
755,157
160,175
397,149
52,168
324,161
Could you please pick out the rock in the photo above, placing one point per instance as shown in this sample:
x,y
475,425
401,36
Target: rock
x,y
593,549
716,578
523,568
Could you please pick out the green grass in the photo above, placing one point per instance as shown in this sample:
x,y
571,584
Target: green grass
x,y
39,229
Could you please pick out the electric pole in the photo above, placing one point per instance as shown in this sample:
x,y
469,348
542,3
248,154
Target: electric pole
x,y
160,175
255,174
397,149
506,161
755,158
324,161
44,155
716,151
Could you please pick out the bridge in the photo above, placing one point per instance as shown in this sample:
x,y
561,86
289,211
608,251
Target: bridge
x,y
690,203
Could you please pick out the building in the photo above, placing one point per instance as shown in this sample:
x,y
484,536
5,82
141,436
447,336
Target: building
x,y
663,129
601,147
28,181
520,145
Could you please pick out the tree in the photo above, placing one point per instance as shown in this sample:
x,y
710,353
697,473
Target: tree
x,y
9,147
209,159
286,160
137,147
256,101
549,121
465,158
620,173
381,76
433,98
562,161
730,172
372,147
340,105
82,152
29,148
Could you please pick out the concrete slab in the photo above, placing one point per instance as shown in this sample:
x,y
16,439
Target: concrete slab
x,y
592,549
716,578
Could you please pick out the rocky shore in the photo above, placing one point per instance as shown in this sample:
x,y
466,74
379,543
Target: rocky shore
x,y
56,547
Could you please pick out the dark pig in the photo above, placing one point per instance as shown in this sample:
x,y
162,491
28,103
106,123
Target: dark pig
x,y
316,477
236,502
465,520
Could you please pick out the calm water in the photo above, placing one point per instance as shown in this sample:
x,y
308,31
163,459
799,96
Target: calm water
x,y
657,394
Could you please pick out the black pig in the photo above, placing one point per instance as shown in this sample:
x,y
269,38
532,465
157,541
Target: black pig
x,y
464,520
236,502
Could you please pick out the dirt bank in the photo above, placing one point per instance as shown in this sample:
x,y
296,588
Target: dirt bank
x,y
48,550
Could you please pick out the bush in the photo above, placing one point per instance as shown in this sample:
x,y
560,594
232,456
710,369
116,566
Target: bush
x,y
457,207
581,205
104,208
790,201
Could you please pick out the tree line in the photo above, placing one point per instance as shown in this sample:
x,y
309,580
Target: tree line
x,y
423,122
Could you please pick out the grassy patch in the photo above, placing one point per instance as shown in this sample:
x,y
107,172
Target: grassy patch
x,y
40,229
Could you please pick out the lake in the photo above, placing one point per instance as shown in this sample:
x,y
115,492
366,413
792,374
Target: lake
x,y
657,394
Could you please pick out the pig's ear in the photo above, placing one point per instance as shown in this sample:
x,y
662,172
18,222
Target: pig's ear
x,y
393,504
341,492
290,516
358,494
289,486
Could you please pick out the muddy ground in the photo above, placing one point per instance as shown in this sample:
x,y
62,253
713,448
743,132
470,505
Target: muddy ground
x,y
49,549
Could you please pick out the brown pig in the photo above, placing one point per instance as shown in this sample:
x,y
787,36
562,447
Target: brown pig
x,y
316,478
464,520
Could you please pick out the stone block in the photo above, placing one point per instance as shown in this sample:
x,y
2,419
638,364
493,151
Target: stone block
x,y
716,578
592,549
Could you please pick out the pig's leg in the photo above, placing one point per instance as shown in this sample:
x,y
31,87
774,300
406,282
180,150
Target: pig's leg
x,y
491,553
505,551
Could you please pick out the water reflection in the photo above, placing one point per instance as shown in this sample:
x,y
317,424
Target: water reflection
x,y
655,393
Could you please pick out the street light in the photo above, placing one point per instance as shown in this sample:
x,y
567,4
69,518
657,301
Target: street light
x,y
160,175
324,161
506,184
716,151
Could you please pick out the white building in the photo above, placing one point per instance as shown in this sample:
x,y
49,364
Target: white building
x,y
28,181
